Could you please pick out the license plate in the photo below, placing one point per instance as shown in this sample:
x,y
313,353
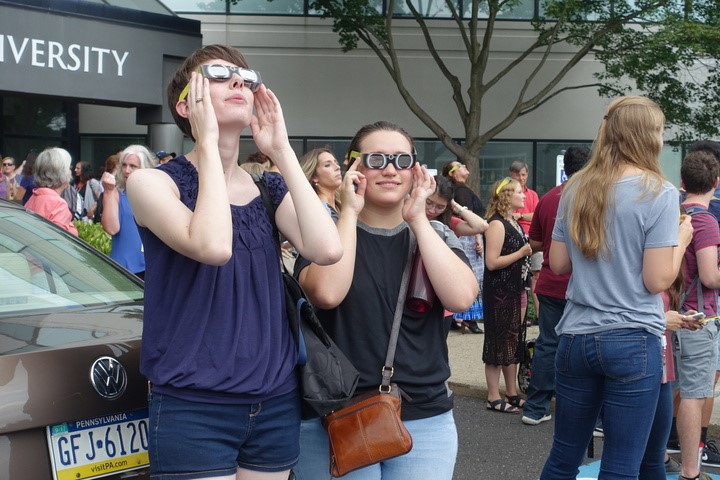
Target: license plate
x,y
99,446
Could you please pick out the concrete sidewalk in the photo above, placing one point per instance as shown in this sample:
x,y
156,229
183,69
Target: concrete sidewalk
x,y
468,371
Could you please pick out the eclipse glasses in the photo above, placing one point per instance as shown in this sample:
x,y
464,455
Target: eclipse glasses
x,y
221,73
378,161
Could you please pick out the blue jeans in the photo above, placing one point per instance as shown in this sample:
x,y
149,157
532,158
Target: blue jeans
x,y
653,462
542,381
618,371
435,446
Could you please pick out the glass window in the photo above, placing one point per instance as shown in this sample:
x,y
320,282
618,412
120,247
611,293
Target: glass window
x,y
495,160
670,161
196,6
427,8
433,154
33,115
274,7
42,268
546,160
524,10
96,149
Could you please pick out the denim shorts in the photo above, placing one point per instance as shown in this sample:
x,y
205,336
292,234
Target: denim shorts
x,y
191,440
695,361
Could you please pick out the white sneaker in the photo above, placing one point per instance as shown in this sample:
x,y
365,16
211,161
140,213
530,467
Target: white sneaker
x,y
531,421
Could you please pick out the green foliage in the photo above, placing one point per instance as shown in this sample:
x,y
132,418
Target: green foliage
x,y
668,50
94,234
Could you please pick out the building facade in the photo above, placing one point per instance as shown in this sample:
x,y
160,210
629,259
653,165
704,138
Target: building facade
x,y
326,94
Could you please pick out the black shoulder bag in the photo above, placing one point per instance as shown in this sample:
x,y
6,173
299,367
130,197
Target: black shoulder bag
x,y
327,378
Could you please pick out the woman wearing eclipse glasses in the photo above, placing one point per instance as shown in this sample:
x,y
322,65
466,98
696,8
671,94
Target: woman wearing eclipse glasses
x,y
356,300
217,348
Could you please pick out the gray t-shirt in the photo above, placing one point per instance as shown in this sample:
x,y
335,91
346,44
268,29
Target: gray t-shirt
x,y
609,293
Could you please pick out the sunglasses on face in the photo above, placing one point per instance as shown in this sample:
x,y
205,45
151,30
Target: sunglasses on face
x,y
222,73
8,164
378,161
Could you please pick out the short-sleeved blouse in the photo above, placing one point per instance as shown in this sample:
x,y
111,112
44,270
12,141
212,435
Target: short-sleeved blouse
x,y
218,334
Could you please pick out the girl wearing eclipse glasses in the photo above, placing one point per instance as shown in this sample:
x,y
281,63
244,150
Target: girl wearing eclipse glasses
x,y
356,300
217,348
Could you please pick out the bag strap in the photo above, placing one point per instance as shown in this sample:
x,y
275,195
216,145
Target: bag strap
x,y
387,370
270,208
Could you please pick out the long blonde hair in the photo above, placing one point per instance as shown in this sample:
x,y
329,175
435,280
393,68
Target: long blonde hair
x,y
502,192
630,134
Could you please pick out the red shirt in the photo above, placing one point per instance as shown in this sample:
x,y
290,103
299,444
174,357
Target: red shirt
x,y
705,234
541,231
531,203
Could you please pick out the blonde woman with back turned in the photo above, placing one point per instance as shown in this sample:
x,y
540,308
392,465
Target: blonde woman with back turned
x,y
617,232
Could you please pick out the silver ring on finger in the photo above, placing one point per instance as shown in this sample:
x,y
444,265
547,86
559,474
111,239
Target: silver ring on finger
x,y
199,100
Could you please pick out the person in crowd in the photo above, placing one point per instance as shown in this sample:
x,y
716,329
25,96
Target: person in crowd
x,y
440,207
696,351
507,251
52,175
9,179
253,168
117,212
163,157
617,223
26,182
218,350
458,174
710,455
89,189
656,463
322,170
111,163
356,300
264,160
550,290
519,171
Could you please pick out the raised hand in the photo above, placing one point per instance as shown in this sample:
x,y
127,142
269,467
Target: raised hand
x,y
268,124
423,186
200,110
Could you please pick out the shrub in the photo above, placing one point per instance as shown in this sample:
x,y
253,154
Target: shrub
x,y
94,234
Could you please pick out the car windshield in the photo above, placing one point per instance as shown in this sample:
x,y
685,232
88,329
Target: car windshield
x,y
42,268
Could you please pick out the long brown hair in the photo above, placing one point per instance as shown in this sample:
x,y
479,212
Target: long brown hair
x,y
629,134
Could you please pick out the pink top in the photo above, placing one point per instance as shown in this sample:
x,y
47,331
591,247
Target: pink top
x,y
667,351
49,204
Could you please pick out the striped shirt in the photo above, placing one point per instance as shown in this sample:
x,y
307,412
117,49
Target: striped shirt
x,y
706,233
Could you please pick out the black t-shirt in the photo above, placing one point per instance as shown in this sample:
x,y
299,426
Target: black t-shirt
x,y
464,196
361,324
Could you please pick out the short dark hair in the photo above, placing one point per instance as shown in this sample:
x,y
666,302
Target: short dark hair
x,y
699,171
709,146
517,166
575,158
191,63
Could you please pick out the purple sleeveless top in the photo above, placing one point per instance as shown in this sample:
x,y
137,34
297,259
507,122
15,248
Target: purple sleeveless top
x,y
218,334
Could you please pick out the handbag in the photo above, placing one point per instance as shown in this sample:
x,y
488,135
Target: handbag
x,y
327,378
370,429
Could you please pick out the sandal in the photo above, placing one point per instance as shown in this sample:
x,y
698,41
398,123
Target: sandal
x,y
515,400
501,406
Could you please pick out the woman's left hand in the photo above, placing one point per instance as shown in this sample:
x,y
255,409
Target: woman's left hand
x,y
423,186
268,124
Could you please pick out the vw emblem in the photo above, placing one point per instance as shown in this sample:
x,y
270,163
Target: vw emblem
x,y
108,377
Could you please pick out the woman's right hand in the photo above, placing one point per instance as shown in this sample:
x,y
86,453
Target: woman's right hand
x,y
108,181
352,190
685,232
200,110
526,250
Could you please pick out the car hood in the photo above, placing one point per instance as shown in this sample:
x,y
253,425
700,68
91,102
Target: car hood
x,y
46,360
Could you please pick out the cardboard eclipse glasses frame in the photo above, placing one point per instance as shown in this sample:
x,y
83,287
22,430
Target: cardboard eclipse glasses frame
x,y
221,73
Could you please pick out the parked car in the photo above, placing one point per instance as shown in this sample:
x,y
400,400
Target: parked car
x,y
73,404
